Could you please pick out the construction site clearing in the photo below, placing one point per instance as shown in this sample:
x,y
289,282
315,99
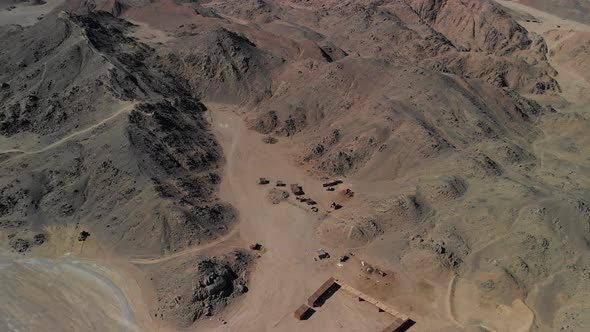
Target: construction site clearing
x,y
306,311
394,322
400,321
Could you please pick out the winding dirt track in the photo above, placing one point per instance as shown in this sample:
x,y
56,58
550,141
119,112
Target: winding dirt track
x,y
190,251
75,134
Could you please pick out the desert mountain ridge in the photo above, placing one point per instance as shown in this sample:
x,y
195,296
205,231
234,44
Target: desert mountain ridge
x,y
134,133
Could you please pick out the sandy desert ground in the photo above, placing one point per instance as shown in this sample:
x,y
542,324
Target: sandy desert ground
x,y
466,150
25,13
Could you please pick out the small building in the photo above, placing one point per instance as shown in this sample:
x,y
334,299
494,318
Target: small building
x,y
400,325
263,181
281,183
332,184
336,206
325,290
303,312
297,190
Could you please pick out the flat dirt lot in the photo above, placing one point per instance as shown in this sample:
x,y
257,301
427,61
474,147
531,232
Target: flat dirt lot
x,y
286,274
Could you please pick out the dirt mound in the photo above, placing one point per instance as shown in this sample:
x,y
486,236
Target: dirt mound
x,y
353,232
275,196
442,189
447,245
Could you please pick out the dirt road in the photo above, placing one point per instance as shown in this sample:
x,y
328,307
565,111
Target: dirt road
x,y
123,110
190,251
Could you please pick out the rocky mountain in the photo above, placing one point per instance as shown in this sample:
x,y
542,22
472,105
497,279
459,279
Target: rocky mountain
x,y
104,137
457,134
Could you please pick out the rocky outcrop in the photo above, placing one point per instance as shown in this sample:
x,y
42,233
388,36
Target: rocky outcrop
x,y
474,25
197,290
